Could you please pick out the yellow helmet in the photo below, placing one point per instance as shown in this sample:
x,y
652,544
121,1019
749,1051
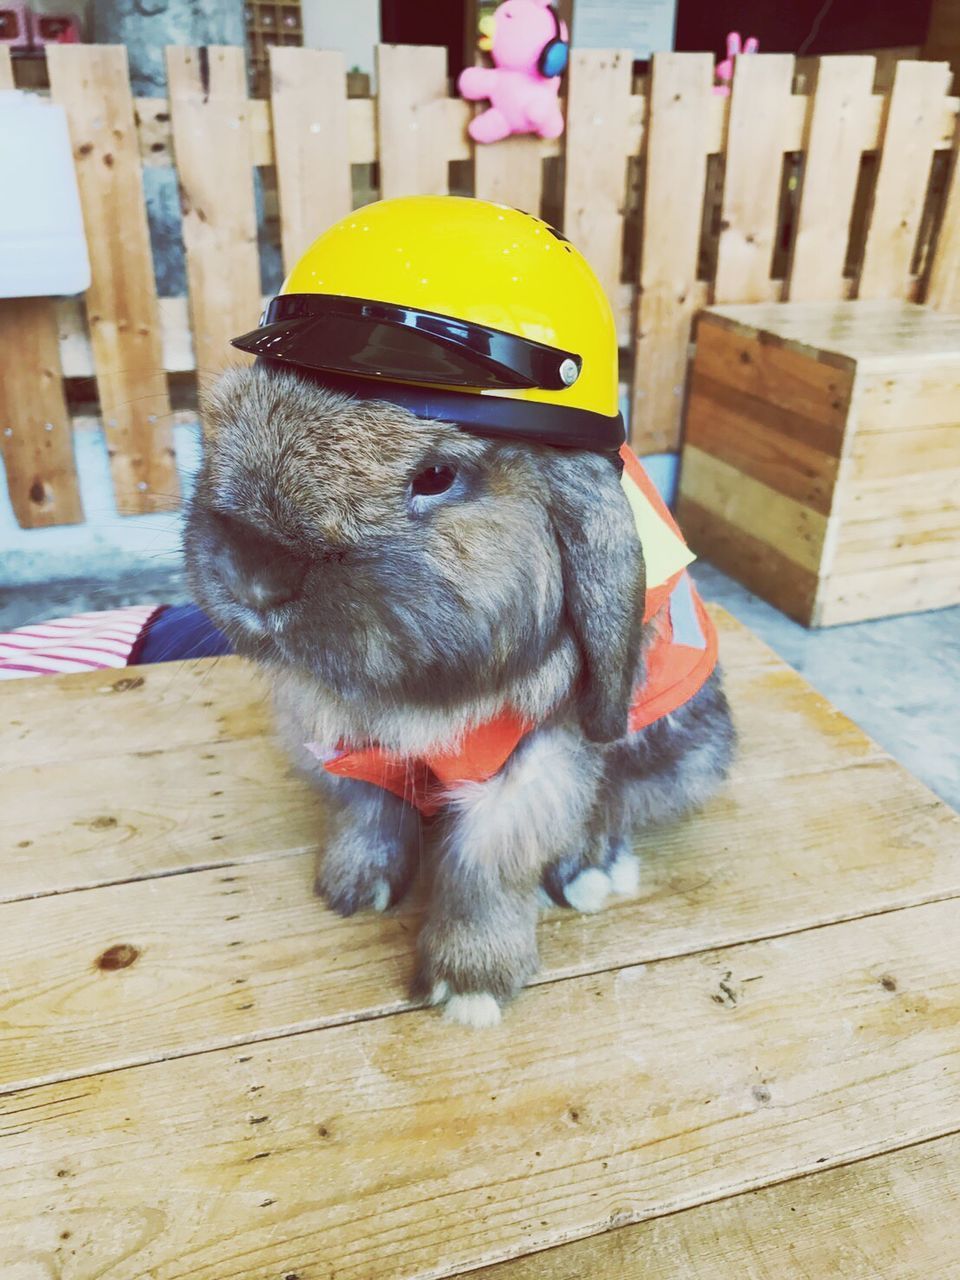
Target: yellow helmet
x,y
457,309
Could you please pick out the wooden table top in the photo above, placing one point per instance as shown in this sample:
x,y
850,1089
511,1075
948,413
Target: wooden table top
x,y
751,1069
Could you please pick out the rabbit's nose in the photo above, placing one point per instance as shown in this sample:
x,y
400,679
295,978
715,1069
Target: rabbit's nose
x,y
257,570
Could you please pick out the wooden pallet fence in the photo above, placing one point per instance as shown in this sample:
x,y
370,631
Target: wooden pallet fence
x,y
787,185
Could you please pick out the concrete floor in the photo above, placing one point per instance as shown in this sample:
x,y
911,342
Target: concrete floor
x,y
898,678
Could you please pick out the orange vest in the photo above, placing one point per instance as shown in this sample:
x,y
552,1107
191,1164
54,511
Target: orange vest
x,y
679,661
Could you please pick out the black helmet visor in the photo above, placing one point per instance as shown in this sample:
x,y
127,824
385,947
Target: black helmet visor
x,y
379,340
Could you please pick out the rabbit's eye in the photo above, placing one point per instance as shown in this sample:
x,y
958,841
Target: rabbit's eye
x,y
433,480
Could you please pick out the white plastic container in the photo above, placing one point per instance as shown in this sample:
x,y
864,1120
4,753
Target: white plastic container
x,y
43,250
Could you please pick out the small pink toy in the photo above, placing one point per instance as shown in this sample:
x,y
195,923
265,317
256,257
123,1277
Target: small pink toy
x,y
529,46
724,69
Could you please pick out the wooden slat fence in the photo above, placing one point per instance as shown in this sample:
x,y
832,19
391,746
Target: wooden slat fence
x,y
836,184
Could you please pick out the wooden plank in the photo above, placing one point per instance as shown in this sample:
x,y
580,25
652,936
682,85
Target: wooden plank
x,y
924,397
835,139
208,109
824,1047
6,68
750,559
798,383
905,495
92,83
309,102
151,708
918,538
669,292
892,588
909,137
760,441
755,145
130,817
878,1217
109,819
890,454
943,285
36,438
411,98
788,526
247,952
804,774
595,174
510,172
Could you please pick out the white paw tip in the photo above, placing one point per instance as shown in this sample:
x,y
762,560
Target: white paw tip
x,y
380,897
440,992
588,891
624,873
476,1010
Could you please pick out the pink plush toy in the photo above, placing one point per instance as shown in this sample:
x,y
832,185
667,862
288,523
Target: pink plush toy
x,y
724,70
528,43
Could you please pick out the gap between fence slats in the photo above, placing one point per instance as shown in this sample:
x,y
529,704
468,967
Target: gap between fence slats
x,y
834,141
760,103
943,288
208,109
309,102
910,134
92,84
669,292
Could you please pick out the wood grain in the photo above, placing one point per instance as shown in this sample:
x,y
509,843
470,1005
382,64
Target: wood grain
x,y
788,526
749,558
371,1166
794,382
92,84
909,137
411,116
209,116
755,146
246,952
878,1217
311,141
760,441
669,291
891,589
834,142
595,181
149,708
157,812
36,436
36,440
510,172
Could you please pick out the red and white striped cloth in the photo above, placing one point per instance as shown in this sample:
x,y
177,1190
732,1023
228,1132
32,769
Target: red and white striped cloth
x,y
85,642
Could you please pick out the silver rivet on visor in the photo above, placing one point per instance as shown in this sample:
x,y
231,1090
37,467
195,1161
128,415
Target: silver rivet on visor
x,y
569,372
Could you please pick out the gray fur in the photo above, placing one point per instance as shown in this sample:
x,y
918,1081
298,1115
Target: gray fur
x,y
382,616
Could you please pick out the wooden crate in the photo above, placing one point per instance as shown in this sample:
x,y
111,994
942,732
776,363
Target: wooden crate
x,y
821,463
751,1068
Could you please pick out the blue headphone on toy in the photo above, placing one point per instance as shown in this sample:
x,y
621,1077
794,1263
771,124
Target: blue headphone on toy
x,y
555,53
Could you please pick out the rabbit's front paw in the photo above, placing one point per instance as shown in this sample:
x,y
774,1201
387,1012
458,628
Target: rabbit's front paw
x,y
472,968
359,870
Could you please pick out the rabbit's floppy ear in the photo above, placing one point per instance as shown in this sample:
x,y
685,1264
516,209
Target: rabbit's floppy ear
x,y
604,585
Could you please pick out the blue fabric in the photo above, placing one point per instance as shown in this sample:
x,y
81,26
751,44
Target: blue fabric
x,y
181,631
683,616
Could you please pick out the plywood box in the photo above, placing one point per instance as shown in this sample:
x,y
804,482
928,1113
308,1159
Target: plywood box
x,y
821,459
